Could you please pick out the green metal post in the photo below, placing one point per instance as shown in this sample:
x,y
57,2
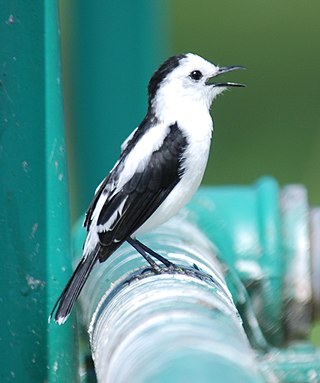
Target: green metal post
x,y
34,215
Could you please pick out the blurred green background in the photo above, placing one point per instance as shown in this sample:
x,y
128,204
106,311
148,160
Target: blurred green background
x,y
272,127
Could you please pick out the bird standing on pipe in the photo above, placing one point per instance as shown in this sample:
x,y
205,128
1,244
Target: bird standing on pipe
x,y
160,167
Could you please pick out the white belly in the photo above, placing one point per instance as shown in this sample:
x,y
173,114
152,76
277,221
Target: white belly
x,y
196,158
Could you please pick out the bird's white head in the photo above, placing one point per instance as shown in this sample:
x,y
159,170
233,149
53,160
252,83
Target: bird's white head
x,y
184,81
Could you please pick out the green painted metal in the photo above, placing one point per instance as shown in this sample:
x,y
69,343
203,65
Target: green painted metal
x,y
34,215
110,62
62,351
244,223
298,362
298,229
110,51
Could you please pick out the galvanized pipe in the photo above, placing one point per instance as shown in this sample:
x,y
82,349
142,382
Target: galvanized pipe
x,y
136,317
180,325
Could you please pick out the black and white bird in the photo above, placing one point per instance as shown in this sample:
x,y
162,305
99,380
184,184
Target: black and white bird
x,y
160,167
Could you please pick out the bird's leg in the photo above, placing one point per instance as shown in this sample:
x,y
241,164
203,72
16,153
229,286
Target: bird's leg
x,y
137,245
152,253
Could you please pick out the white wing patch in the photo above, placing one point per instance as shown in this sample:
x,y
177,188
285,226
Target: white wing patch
x,y
139,156
98,188
109,225
90,243
127,140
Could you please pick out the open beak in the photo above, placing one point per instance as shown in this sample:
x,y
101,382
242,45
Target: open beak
x,y
222,71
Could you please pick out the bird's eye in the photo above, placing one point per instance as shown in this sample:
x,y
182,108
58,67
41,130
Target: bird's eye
x,y
196,75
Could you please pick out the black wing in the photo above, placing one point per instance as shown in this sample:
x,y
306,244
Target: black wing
x,y
143,193
107,184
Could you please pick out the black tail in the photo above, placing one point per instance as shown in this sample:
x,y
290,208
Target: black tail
x,y
70,293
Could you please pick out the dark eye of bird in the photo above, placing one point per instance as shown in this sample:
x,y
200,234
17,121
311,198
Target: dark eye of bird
x,y
196,75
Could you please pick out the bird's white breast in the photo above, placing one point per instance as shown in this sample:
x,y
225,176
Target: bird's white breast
x,y
197,127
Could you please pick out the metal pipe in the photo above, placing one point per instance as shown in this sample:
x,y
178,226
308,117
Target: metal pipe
x,y
297,289
258,232
181,325
315,260
271,237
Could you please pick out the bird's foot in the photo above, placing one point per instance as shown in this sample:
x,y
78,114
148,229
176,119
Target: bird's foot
x,y
191,271
170,269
